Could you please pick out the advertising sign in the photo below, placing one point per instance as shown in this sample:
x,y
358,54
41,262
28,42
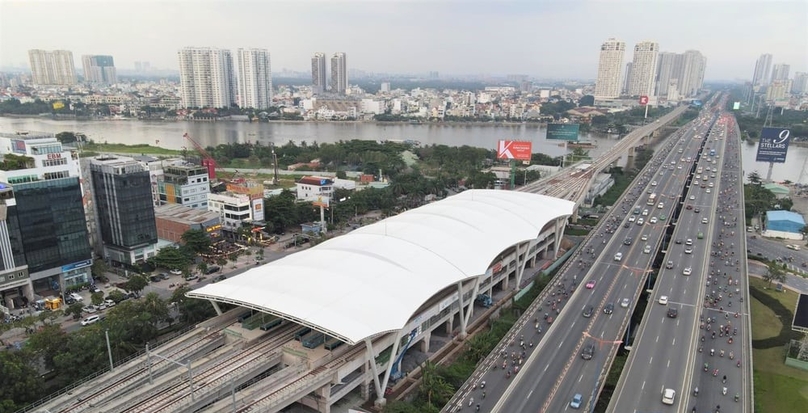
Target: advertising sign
x,y
563,131
773,145
77,265
736,105
643,100
321,201
516,150
258,209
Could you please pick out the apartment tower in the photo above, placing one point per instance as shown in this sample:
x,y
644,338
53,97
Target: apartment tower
x,y
643,69
780,72
762,70
99,69
339,74
318,74
206,77
254,78
610,64
52,68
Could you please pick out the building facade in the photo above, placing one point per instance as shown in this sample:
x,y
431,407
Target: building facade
x,y
664,73
174,220
206,77
780,72
16,289
763,68
52,68
99,69
124,210
643,69
339,73
235,209
254,78
800,83
311,188
186,185
610,64
318,74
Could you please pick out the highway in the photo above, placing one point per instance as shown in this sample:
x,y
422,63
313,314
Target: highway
x,y
661,355
555,371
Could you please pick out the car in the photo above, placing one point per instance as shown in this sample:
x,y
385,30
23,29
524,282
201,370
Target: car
x,y
678,240
696,210
707,190
588,311
176,272
163,276
90,320
672,312
627,241
653,183
663,300
109,303
191,277
618,256
710,185
645,212
687,271
640,221
689,241
588,352
632,218
625,303
660,205
90,309
700,235
704,220
692,197
679,167
689,207
688,250
608,309
668,396
94,289
155,278
576,401
697,177
647,249
76,297
653,220
669,265
644,237
590,285
626,225
219,278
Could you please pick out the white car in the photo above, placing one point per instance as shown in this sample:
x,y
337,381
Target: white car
x,y
692,197
645,212
640,221
632,218
687,271
653,183
668,396
625,303
653,220
704,220
618,256
689,241
710,185
660,205
90,320
688,250
647,249
663,300
176,272
707,190
644,237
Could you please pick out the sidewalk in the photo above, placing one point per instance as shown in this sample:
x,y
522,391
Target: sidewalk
x,y
793,282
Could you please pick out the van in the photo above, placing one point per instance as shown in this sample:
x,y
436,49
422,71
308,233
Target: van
x,y
90,320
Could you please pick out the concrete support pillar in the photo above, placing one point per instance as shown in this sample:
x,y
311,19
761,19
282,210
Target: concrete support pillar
x,y
520,267
216,307
506,282
425,342
381,387
371,360
465,316
559,234
364,388
450,326
324,403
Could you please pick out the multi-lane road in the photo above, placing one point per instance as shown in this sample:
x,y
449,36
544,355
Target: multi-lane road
x,y
556,371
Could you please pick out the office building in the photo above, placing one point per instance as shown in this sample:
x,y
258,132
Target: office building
x,y
780,72
664,73
46,220
52,68
318,74
254,78
643,69
174,220
207,78
123,208
339,74
16,289
184,184
610,64
236,209
762,73
99,70
800,83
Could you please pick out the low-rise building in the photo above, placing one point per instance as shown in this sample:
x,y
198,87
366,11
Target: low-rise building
x,y
236,209
174,220
312,188
184,184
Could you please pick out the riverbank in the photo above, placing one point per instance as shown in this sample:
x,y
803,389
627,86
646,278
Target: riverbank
x,y
122,149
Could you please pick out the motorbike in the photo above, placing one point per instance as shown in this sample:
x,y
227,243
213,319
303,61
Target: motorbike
x,y
731,355
712,351
721,354
706,366
724,391
736,397
715,373
696,391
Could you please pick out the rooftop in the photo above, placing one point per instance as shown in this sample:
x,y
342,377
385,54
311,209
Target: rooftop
x,y
184,214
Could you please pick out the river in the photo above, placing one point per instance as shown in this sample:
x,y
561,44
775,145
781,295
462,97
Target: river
x,y
169,135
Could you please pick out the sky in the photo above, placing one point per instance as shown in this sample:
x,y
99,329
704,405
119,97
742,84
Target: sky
x,y
557,39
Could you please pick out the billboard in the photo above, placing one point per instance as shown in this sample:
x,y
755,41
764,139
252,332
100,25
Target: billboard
x,y
321,201
643,100
258,209
563,131
736,105
773,145
516,150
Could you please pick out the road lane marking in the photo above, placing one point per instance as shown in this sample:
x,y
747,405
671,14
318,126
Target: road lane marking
x,y
669,364
580,378
642,388
651,360
674,340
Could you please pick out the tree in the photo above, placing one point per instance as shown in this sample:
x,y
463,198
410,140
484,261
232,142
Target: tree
x,y
197,240
99,268
76,308
754,178
202,267
435,387
136,284
66,137
46,343
191,310
172,258
775,273
98,298
586,100
19,380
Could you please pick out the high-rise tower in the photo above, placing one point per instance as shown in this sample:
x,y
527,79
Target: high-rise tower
x,y
780,72
318,73
339,73
762,70
643,69
52,68
206,77
99,69
610,64
254,78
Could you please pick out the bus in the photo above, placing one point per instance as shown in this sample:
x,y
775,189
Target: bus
x,y
651,199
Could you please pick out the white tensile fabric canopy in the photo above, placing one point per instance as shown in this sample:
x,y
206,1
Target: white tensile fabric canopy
x,y
372,280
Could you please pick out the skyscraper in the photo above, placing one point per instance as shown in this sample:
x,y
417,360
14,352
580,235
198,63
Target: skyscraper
x,y
607,85
800,83
665,63
206,77
626,79
318,73
339,74
762,70
99,69
780,72
52,68
643,69
124,209
254,78
688,72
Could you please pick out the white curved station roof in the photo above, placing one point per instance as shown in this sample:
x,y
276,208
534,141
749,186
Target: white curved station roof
x,y
373,279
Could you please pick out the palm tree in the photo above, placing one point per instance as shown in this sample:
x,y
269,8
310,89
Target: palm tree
x,y
775,273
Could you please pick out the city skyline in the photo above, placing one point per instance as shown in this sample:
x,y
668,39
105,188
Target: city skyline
x,y
356,31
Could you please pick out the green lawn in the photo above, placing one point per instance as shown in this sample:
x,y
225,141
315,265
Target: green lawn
x,y
130,149
778,388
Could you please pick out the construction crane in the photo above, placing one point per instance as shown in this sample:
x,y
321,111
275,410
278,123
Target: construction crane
x,y
207,161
